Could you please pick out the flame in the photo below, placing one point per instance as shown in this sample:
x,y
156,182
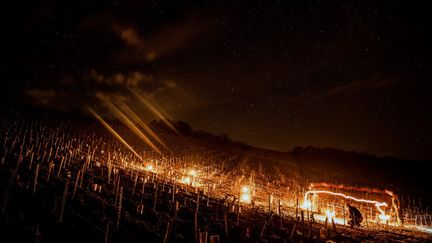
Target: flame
x,y
245,194
149,168
246,198
245,189
186,180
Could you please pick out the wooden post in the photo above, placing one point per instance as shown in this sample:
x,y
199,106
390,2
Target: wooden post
x,y
196,217
177,204
50,168
119,207
173,192
76,183
203,237
226,224
167,232
214,239
107,232
135,183
265,225
60,167
36,178
116,189
31,161
208,195
143,189
155,197
196,226
302,216
238,210
279,207
270,198
37,234
63,201
294,228
81,178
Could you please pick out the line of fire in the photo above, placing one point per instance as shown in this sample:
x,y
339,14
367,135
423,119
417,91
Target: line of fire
x,y
172,188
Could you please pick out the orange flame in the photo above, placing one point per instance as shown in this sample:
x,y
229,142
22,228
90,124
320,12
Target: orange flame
x,y
245,194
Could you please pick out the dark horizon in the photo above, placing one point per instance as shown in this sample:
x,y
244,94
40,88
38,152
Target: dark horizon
x,y
353,75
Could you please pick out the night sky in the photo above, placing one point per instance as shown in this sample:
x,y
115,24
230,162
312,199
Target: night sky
x,y
354,75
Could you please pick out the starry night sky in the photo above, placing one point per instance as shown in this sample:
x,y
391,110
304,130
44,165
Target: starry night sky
x,y
354,75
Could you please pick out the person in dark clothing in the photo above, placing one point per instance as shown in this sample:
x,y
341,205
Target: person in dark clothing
x,y
355,218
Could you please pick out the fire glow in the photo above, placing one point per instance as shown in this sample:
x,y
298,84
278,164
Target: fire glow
x,y
190,178
245,195
307,204
149,168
